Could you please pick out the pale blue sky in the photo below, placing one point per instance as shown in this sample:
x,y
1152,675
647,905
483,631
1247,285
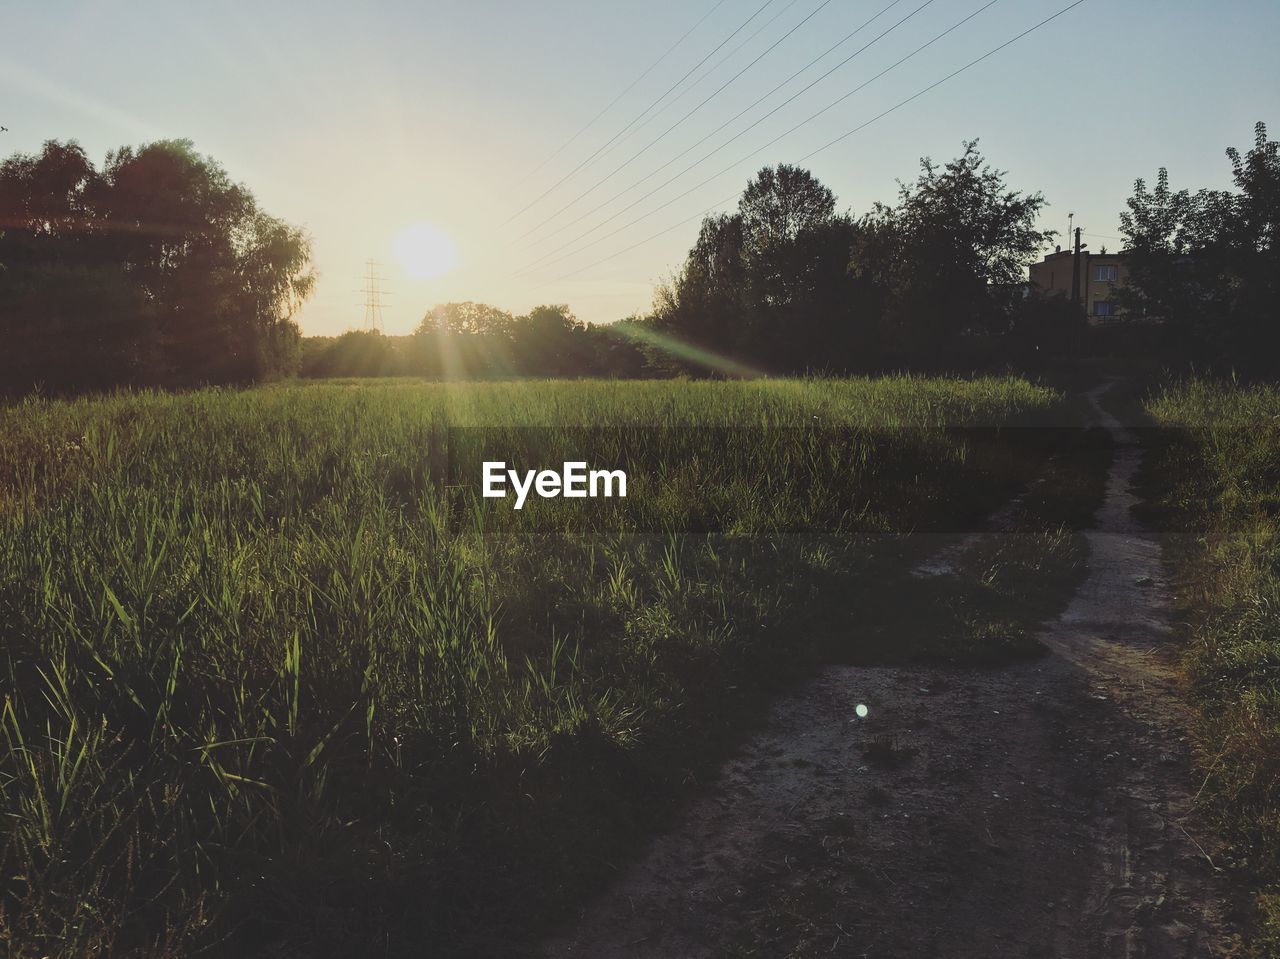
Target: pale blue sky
x,y
356,120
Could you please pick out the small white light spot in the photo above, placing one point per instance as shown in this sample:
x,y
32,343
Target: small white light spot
x,y
861,710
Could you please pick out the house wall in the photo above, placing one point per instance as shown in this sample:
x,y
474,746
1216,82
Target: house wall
x,y
1053,276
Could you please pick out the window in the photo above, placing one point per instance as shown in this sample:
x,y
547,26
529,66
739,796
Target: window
x,y
1104,307
1105,274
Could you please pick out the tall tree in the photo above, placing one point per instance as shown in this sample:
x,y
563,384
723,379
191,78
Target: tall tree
x,y
158,269
769,284
68,313
706,303
1207,264
550,342
950,256
466,317
463,339
789,232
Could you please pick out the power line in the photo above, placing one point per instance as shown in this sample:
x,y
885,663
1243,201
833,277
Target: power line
x,y
807,120
849,36
648,239
990,53
711,96
673,86
897,106
586,126
706,73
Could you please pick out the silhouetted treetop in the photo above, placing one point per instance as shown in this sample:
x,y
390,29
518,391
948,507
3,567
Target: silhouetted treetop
x,y
465,317
158,269
782,203
1206,264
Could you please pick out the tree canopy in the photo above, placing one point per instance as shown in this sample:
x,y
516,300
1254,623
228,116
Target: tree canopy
x,y
156,269
1207,263
949,258
468,340
788,283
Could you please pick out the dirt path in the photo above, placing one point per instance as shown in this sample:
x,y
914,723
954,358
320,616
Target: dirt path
x,y
1036,810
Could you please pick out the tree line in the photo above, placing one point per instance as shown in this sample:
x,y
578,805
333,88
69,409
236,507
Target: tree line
x,y
157,269
936,280
477,341
788,284
785,284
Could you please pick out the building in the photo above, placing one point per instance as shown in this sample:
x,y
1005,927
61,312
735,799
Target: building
x,y
1101,276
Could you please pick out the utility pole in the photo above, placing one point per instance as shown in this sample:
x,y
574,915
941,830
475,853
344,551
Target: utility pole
x,y
373,295
1075,292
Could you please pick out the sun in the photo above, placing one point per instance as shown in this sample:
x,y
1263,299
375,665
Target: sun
x,y
424,251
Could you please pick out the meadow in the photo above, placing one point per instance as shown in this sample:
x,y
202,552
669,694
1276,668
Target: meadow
x,y
1218,475
277,680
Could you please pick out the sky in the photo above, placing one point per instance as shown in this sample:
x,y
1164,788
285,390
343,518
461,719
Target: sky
x,y
458,135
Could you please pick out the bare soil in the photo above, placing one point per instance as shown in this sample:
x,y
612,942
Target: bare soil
x,y
1043,808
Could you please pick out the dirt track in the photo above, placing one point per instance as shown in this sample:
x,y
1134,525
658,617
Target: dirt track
x,y
1035,810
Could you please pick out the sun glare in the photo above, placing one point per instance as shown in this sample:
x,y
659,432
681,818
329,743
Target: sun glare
x,y
424,251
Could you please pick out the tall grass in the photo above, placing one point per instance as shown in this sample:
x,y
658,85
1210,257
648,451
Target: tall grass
x,y
1223,476
274,674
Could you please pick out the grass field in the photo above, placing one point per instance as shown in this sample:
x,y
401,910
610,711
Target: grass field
x,y
1220,477
277,680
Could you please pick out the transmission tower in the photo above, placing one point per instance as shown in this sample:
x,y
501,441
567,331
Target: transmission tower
x,y
373,296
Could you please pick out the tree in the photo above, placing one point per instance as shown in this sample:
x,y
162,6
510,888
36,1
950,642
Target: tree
x,y
948,260
1207,263
1178,260
550,342
227,276
158,269
1257,263
618,349
707,302
463,340
466,317
354,353
769,284
68,314
777,210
